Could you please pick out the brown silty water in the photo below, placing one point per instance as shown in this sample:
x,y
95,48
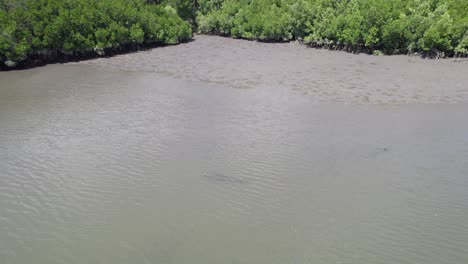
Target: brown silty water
x,y
158,157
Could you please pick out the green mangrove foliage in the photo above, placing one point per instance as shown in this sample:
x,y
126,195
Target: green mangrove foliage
x,y
186,9
67,26
32,27
391,26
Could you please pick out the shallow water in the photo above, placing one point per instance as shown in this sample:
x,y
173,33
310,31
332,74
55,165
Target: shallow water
x,y
106,165
321,75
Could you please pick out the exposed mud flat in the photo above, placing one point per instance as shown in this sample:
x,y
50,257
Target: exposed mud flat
x,y
322,75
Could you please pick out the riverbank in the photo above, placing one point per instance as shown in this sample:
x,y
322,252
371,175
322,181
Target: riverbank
x,y
431,28
42,58
45,57
34,32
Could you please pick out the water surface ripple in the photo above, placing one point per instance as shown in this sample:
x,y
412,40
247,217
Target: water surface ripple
x,y
106,165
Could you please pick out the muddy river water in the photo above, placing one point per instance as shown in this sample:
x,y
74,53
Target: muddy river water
x,y
230,151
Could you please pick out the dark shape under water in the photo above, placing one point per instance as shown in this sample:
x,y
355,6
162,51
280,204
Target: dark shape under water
x,y
379,151
221,178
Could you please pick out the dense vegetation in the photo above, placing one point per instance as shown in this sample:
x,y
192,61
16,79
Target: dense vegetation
x,y
30,27
391,26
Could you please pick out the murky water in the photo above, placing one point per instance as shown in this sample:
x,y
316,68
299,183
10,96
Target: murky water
x,y
107,165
